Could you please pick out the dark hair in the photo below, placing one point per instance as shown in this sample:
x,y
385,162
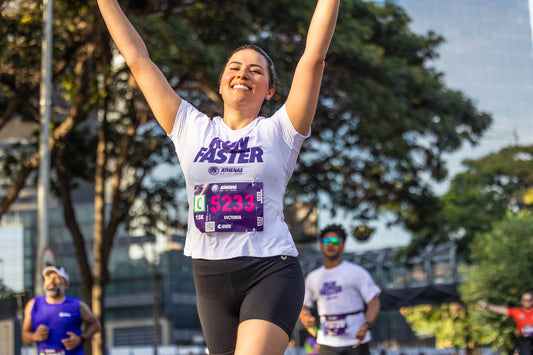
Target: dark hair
x,y
336,228
272,76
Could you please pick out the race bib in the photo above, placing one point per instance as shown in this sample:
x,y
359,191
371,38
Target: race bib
x,y
527,331
228,207
335,325
51,352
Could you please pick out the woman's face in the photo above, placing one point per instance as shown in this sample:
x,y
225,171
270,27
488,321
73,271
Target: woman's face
x,y
245,80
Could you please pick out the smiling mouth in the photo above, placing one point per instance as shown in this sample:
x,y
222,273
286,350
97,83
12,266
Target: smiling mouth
x,y
241,87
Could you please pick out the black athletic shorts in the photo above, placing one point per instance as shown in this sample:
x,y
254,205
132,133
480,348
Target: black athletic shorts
x,y
525,345
234,290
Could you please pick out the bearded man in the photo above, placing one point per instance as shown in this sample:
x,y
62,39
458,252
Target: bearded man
x,y
54,321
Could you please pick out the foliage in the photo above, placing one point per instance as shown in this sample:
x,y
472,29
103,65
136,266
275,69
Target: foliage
x,y
384,118
502,262
480,196
5,292
487,209
448,322
383,122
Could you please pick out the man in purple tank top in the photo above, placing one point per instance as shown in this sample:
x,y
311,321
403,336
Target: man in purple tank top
x,y
54,321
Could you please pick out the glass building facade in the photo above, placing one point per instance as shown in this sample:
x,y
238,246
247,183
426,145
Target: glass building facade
x,y
488,55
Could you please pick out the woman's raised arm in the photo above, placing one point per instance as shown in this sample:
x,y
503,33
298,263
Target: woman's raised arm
x,y
303,95
163,100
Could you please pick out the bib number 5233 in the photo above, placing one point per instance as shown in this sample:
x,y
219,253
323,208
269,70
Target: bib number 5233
x,y
229,207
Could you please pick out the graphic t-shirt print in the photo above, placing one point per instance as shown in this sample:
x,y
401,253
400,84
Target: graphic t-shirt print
x,y
235,206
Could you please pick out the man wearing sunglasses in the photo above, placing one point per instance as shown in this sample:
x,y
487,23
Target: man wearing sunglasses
x,y
347,299
523,317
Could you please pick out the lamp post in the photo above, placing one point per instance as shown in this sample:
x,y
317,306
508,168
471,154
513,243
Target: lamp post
x,y
45,103
155,290
150,240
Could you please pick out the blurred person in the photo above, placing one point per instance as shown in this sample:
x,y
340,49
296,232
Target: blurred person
x,y
249,283
523,317
342,291
54,321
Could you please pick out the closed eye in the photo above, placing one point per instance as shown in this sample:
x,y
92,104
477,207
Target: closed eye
x,y
256,69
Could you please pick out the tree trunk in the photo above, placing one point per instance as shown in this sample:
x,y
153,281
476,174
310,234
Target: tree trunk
x,y
98,340
99,232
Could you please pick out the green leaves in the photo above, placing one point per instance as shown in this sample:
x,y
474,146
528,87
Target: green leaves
x,y
501,262
384,118
482,195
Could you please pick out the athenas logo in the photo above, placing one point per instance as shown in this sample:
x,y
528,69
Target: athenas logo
x,y
227,152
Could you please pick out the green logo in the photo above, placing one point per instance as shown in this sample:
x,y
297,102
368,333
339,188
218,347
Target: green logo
x,y
199,203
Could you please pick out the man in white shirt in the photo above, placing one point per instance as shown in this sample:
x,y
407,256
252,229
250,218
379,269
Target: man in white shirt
x,y
346,296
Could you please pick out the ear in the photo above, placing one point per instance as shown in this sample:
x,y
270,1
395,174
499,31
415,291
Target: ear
x,y
271,92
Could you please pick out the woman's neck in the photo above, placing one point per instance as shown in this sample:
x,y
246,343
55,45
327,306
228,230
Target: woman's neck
x,y
238,118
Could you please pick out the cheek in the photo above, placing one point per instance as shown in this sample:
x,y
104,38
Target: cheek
x,y
226,77
264,83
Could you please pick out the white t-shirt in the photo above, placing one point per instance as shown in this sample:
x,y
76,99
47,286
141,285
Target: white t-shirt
x,y
337,292
236,182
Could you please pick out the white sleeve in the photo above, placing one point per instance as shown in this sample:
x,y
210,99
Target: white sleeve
x,y
309,299
290,135
367,287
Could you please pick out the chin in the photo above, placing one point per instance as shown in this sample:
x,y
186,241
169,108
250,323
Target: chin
x,y
53,292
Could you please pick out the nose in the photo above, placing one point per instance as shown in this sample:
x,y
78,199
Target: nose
x,y
243,73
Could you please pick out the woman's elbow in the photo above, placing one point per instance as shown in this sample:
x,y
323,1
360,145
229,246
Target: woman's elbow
x,y
135,59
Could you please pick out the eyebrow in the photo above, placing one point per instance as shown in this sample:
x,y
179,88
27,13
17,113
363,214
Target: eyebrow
x,y
252,65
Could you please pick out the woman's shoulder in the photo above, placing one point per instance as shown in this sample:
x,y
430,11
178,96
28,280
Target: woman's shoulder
x,y
187,110
279,113
186,118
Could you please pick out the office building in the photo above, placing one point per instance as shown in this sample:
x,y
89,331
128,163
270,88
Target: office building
x,y
488,55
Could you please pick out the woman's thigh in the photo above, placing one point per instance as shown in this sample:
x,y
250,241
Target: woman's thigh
x,y
278,295
260,337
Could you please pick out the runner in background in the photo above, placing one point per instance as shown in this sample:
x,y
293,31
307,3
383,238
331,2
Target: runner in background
x,y
523,317
54,321
347,299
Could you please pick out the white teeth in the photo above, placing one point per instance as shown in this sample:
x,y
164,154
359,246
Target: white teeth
x,y
244,87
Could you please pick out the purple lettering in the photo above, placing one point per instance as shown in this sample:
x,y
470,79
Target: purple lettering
x,y
244,156
200,153
243,143
237,152
232,156
221,154
215,143
256,155
209,156
227,145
